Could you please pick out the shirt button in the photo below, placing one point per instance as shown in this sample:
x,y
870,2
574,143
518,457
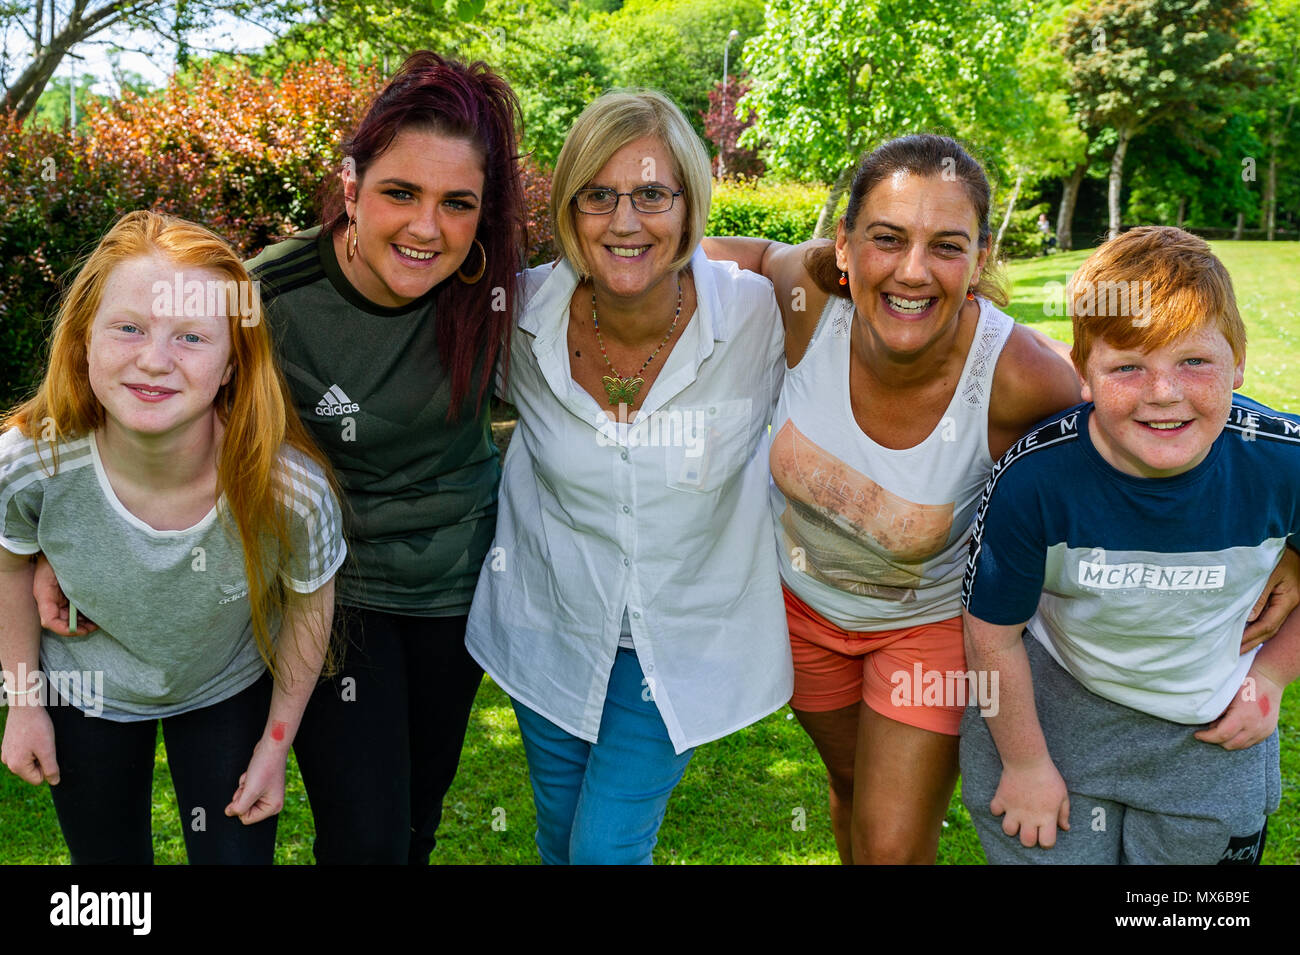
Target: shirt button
x,y
713,410
636,615
623,455
628,563
626,509
650,668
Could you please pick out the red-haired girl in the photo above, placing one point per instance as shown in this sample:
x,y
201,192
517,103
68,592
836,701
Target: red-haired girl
x,y
183,506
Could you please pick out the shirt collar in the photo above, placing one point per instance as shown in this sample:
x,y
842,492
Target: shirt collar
x,y
546,314
546,317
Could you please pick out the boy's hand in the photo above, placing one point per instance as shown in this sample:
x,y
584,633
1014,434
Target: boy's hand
x,y
1035,801
1281,595
1251,716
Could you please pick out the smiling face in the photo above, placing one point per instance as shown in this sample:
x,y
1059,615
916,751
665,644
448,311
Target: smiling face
x,y
1159,411
628,252
154,368
910,258
417,211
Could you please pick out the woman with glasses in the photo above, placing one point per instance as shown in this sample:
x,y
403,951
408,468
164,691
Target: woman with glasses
x,y
631,605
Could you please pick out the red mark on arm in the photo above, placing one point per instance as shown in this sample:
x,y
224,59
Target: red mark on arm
x,y
1263,705
277,731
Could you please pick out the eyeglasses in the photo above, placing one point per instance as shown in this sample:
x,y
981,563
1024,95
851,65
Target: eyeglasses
x,y
649,199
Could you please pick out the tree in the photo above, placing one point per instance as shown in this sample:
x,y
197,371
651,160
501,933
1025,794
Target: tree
x,y
831,78
1134,63
723,127
1042,139
1275,28
677,45
370,33
555,66
66,23
1182,178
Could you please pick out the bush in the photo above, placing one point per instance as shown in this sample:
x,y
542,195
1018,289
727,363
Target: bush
x,y
537,199
785,212
54,205
244,155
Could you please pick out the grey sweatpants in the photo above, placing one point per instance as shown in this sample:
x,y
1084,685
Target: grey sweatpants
x,y
1142,789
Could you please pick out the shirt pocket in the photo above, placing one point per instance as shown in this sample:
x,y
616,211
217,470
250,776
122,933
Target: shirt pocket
x,y
716,441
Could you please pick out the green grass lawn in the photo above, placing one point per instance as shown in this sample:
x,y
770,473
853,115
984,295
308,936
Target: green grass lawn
x,y
743,798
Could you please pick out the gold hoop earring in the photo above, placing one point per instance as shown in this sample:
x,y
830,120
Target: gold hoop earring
x,y
350,240
471,279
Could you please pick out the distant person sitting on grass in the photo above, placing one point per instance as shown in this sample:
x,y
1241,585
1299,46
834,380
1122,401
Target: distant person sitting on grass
x,y
1131,536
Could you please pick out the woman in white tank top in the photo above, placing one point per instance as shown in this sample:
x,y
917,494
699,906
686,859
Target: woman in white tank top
x,y
904,384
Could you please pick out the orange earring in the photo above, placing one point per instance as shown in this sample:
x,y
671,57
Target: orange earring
x,y
844,278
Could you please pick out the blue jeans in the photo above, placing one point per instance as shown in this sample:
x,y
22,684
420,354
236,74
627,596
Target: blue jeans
x,y
603,803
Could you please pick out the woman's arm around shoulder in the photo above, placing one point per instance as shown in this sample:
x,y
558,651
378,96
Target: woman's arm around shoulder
x,y
1033,381
800,300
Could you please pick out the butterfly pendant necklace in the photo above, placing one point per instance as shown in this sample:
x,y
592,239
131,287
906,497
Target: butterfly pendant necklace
x,y
623,390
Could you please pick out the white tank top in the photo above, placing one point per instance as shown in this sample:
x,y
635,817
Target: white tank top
x,y
870,537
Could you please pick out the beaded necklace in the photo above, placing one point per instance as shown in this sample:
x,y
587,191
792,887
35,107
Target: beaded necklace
x,y
623,390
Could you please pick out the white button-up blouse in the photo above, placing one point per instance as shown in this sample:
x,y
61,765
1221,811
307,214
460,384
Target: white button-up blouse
x,y
666,518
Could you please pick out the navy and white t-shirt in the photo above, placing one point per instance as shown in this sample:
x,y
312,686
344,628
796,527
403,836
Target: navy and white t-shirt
x,y
1139,587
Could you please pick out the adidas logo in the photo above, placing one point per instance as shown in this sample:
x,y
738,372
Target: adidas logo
x,y
335,402
233,592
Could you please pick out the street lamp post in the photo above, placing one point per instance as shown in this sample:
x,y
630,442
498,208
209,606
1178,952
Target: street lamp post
x,y
726,49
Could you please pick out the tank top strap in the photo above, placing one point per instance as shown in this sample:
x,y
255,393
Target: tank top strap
x,y
991,333
835,322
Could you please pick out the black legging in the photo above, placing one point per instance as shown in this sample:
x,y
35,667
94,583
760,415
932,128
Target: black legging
x,y
106,778
379,744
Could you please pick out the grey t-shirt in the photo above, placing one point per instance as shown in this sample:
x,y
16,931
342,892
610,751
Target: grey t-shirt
x,y
175,633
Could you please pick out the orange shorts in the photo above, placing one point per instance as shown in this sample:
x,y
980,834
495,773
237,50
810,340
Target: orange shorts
x,y
915,675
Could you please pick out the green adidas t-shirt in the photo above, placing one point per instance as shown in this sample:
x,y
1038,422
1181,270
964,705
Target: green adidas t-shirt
x,y
368,383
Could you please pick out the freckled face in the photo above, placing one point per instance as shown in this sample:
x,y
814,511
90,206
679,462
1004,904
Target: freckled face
x,y
154,368
1158,412
417,212
910,258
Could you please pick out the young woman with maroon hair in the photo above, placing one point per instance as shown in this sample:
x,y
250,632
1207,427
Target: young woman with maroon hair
x,y
389,319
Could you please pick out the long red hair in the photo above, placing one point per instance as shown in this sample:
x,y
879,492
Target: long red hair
x,y
255,406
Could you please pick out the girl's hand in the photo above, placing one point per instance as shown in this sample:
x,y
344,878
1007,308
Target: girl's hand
x,y
28,747
261,788
52,603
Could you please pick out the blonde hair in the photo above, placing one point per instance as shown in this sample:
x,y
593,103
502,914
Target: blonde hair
x,y
1150,287
255,406
609,123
